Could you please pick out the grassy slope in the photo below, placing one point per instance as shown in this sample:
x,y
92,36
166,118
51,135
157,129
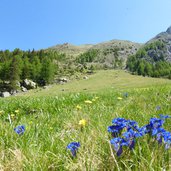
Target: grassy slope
x,y
101,81
52,122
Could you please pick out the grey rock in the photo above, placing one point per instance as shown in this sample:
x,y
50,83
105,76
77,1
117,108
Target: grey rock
x,y
63,79
18,84
24,89
85,77
29,84
61,82
7,82
19,91
5,94
13,92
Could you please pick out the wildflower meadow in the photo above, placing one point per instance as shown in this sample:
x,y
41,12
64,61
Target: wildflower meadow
x,y
111,130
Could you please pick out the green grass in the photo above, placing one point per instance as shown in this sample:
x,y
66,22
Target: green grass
x,y
101,81
51,121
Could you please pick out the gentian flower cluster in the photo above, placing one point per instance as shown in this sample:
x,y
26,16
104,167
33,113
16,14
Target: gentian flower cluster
x,y
20,129
133,131
73,147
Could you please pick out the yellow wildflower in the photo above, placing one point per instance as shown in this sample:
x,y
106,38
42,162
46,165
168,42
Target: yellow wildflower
x,y
78,107
96,98
82,122
88,102
16,111
93,100
1,112
51,128
119,98
12,115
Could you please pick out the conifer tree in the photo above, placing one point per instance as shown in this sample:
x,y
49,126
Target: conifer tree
x,y
15,71
47,71
35,68
26,71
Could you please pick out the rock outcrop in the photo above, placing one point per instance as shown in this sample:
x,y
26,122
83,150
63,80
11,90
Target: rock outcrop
x,y
29,84
164,37
5,94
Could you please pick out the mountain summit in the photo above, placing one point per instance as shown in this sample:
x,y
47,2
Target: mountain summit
x,y
106,52
168,30
154,58
165,38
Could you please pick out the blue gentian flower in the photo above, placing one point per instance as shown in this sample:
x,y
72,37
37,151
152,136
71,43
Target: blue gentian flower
x,y
159,132
159,138
130,136
156,123
158,107
164,116
20,129
145,129
153,126
142,131
131,125
115,130
120,122
167,139
73,147
156,131
118,143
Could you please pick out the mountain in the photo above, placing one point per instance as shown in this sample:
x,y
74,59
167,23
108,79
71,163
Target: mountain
x,y
165,38
153,58
106,51
70,49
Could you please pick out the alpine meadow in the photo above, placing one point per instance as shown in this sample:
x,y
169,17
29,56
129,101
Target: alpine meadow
x,y
89,107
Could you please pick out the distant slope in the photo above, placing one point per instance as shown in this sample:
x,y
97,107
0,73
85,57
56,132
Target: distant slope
x,y
106,50
164,37
109,49
154,58
70,49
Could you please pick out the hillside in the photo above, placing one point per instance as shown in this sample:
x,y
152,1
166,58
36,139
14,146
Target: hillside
x,y
70,49
164,37
154,58
106,50
101,81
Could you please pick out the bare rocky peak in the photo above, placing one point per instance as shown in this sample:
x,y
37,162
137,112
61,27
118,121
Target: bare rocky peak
x,y
165,37
126,47
168,30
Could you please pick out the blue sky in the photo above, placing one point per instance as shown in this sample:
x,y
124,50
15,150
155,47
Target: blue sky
x,y
28,24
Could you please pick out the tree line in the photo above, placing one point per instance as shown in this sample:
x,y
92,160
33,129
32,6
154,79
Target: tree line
x,y
18,65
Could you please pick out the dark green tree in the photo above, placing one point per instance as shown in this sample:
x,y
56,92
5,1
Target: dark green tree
x,y
140,69
15,71
27,68
47,71
36,68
